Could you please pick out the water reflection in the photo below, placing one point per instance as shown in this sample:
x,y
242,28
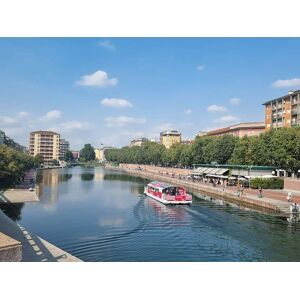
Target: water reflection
x,y
87,176
13,211
176,213
124,177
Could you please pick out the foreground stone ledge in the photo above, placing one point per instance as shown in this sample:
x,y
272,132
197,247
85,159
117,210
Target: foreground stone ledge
x,y
19,196
10,249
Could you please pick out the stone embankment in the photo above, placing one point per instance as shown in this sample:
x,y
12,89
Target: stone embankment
x,y
16,243
229,194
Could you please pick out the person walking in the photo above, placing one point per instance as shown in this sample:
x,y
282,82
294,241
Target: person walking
x,y
260,192
289,197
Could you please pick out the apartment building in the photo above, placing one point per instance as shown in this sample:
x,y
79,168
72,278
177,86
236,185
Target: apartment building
x,y
76,154
239,130
45,143
283,111
64,147
170,137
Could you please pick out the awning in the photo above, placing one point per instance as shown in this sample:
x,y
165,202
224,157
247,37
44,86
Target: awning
x,y
213,170
222,171
206,170
214,175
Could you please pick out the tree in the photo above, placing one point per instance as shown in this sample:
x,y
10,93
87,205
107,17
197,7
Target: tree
x,y
68,157
54,162
13,165
38,160
241,154
87,153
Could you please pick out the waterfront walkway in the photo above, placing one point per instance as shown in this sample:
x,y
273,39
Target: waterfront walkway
x,y
272,199
20,193
34,248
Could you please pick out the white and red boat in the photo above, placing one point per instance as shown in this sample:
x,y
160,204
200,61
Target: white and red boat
x,y
167,194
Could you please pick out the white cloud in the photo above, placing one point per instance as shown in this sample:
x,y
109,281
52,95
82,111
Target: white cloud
x,y
294,82
123,121
7,120
226,119
216,108
23,114
97,79
200,67
51,115
74,125
116,103
188,111
235,101
108,45
13,131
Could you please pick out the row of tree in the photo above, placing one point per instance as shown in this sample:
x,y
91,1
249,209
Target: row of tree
x,y
278,148
14,164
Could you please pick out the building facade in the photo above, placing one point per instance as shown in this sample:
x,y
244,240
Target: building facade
x,y
100,153
45,143
170,137
238,130
64,147
76,154
283,111
138,142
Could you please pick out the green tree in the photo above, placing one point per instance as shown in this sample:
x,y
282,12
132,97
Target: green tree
x,y
68,157
38,160
241,153
54,162
13,165
87,153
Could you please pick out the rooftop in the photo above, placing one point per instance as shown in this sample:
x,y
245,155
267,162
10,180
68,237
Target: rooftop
x,y
280,98
249,125
44,132
139,140
170,132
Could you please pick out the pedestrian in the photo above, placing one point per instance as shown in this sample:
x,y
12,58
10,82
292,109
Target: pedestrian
x,y
242,190
260,192
289,197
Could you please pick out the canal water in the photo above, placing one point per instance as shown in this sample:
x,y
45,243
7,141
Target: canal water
x,y
102,215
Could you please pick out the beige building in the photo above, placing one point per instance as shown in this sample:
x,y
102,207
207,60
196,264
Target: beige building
x,y
283,111
45,143
170,137
100,153
138,142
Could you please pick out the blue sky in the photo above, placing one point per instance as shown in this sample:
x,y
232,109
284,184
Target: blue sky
x,y
111,90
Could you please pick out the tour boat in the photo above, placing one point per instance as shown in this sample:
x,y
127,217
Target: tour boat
x,y
167,194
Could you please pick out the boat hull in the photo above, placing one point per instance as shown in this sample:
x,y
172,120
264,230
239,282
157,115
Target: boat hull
x,y
164,201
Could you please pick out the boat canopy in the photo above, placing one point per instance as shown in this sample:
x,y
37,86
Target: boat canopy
x,y
162,185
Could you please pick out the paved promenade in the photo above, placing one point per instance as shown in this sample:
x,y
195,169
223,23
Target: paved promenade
x,y
272,199
21,193
34,248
